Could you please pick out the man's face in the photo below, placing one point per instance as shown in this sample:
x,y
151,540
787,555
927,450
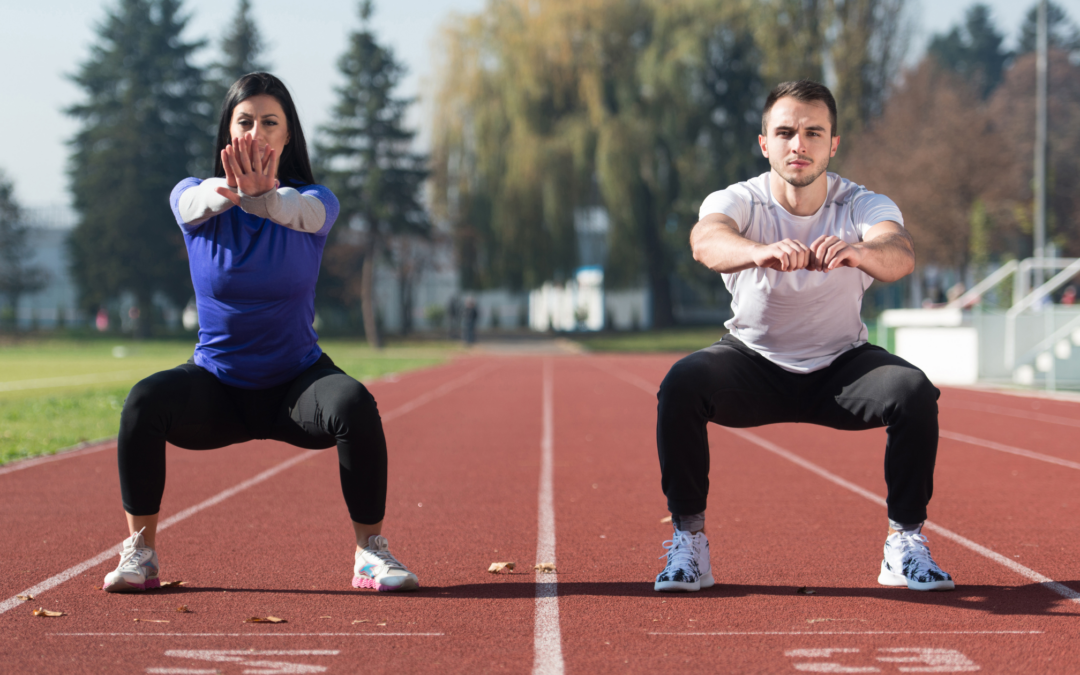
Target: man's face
x,y
799,143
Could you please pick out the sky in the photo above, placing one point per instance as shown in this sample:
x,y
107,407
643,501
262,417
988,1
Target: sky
x,y
42,43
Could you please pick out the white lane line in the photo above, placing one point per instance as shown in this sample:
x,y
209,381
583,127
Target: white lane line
x,y
547,643
440,391
1023,414
73,572
872,632
248,634
72,380
87,448
963,438
1026,572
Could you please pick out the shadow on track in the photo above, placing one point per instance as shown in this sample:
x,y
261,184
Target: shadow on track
x,y
1025,600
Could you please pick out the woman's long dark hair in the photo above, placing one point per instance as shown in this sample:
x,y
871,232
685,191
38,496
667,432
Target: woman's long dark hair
x,y
294,166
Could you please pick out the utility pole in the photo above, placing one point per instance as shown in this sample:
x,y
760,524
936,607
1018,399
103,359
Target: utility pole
x,y
1040,143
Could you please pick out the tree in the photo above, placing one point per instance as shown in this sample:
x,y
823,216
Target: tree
x,y
1013,109
143,124
241,50
936,152
16,276
973,51
855,46
1062,33
547,109
367,161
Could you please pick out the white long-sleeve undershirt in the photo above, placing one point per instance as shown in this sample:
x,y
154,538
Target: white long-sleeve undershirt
x,y
284,206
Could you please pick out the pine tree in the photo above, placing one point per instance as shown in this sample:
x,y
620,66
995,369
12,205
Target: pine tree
x,y
144,123
973,51
367,161
1062,33
241,49
16,277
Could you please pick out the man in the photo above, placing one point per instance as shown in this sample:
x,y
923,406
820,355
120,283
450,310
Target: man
x,y
797,247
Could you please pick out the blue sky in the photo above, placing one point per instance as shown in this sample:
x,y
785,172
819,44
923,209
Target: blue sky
x,y
42,42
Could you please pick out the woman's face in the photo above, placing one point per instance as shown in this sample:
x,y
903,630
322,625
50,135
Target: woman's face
x,y
263,117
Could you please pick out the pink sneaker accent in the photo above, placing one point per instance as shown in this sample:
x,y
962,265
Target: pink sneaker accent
x,y
367,582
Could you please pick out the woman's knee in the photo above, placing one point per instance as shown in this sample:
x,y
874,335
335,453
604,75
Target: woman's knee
x,y
155,396
349,400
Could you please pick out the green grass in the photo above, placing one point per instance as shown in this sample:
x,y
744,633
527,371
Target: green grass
x,y
668,340
87,380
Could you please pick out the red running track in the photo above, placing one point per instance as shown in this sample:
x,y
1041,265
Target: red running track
x,y
552,459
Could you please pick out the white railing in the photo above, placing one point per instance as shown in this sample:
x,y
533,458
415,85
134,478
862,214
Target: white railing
x,y
1030,300
975,294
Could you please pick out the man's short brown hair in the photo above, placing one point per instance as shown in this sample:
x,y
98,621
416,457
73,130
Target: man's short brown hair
x,y
805,91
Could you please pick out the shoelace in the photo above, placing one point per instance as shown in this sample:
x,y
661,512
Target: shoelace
x,y
130,559
915,546
680,550
388,559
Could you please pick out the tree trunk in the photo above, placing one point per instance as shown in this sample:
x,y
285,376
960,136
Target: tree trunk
x,y
367,293
656,264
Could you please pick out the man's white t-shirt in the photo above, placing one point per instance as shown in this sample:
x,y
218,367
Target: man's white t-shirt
x,y
801,320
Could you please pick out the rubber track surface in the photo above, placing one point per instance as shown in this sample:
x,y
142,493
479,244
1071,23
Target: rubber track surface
x,y
465,462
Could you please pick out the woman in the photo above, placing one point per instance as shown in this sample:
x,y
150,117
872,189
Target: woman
x,y
255,235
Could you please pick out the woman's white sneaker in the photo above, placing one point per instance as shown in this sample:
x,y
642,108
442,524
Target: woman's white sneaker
x,y
688,567
377,568
907,562
138,569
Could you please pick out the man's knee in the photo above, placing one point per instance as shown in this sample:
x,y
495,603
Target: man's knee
x,y
911,391
687,379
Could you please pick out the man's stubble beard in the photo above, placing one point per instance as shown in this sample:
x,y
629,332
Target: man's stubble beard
x,y
801,182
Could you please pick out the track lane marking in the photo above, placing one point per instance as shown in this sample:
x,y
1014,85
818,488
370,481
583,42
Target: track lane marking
x,y
88,449
76,570
1000,447
248,634
547,641
1002,410
869,632
1026,572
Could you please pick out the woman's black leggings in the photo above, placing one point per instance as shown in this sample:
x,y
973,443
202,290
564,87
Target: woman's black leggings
x,y
192,409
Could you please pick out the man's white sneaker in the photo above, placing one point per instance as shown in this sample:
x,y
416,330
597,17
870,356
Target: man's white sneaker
x,y
907,562
138,569
688,567
376,567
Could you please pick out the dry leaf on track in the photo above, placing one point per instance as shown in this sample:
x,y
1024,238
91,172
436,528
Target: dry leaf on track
x,y
25,598
666,520
380,624
803,590
546,568
497,567
361,621
326,617
183,609
269,619
151,621
171,584
45,612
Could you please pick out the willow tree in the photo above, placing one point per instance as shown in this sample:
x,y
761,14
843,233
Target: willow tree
x,y
546,108
856,46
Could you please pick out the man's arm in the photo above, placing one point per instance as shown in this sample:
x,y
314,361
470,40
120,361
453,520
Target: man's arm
x,y
886,253
717,244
